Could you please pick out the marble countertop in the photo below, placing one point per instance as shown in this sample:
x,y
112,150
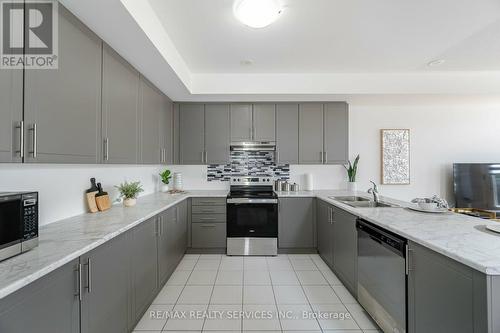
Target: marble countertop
x,y
459,237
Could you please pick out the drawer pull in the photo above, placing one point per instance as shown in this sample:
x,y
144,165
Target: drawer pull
x,y
208,225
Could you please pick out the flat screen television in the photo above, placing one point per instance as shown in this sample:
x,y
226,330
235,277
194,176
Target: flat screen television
x,y
477,185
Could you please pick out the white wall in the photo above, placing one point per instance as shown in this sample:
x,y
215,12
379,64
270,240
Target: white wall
x,y
62,187
441,134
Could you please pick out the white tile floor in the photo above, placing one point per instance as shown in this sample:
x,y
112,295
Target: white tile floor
x,y
215,293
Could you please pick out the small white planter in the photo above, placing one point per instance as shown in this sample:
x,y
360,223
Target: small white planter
x,y
352,186
164,188
129,202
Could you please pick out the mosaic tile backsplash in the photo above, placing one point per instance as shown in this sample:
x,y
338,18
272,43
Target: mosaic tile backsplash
x,y
248,163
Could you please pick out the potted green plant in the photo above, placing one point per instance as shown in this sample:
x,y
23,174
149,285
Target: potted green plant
x,y
129,192
165,177
352,170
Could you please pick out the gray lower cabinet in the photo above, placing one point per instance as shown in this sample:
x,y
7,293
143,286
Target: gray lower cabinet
x,y
241,122
11,114
345,248
167,256
192,133
296,225
62,108
48,305
324,221
208,223
208,235
311,133
336,132
151,108
264,122
287,133
120,109
144,266
446,296
106,298
217,133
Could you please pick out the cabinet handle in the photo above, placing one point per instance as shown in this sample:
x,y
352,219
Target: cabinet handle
x,y
79,290
21,139
277,159
208,225
206,157
208,219
106,149
326,157
321,157
407,263
156,227
34,152
89,276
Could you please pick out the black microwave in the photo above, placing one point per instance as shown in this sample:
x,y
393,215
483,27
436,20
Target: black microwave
x,y
18,223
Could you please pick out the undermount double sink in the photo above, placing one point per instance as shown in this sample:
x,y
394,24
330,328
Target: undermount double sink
x,y
362,202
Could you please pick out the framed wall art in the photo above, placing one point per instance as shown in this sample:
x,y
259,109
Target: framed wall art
x,y
395,156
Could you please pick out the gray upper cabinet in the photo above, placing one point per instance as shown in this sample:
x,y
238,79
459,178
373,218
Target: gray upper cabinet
x,y
152,104
336,129
296,226
176,134
62,108
311,133
106,288
345,248
120,105
264,122
50,304
192,133
324,222
287,133
166,131
11,114
217,133
241,122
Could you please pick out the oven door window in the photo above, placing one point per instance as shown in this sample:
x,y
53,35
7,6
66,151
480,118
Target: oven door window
x,y
10,223
252,220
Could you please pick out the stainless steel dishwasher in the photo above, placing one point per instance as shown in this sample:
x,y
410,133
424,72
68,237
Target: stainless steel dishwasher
x,y
382,276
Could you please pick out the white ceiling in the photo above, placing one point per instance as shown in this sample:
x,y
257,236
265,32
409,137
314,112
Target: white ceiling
x,y
331,36
317,50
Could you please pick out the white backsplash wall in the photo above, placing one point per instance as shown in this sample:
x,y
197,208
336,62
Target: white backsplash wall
x,y
62,187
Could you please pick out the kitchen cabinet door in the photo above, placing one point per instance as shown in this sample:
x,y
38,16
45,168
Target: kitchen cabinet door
x,y
151,108
166,131
120,109
264,122
217,133
311,133
11,114
65,103
177,137
208,235
440,293
167,235
345,248
47,305
182,225
192,133
336,129
106,299
241,122
287,133
144,266
296,227
325,234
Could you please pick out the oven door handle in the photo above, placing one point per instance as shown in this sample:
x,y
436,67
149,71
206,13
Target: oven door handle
x,y
251,201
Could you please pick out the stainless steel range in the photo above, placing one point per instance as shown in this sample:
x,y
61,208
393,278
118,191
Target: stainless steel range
x,y
252,217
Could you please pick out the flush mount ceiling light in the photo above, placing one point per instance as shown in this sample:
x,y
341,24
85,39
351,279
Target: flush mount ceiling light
x,y
257,13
